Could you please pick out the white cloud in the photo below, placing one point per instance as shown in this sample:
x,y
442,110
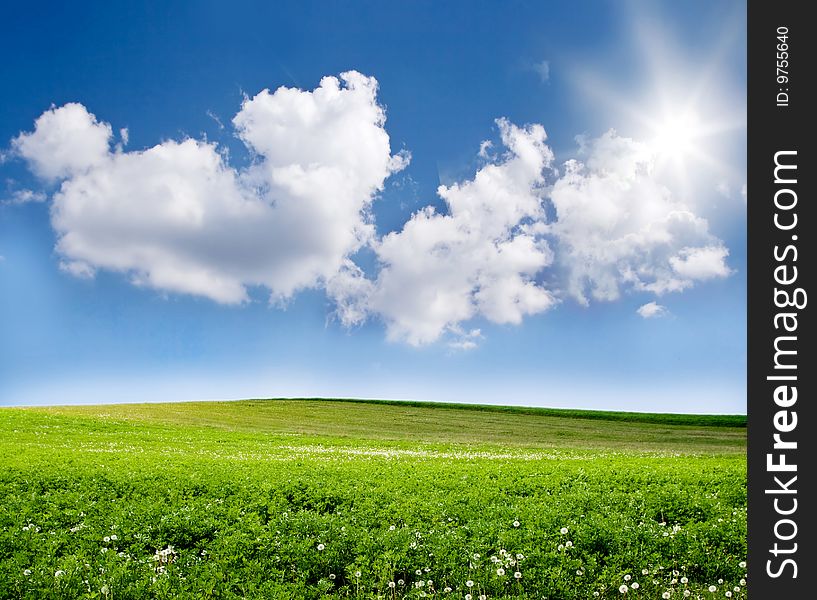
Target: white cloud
x,y
176,217
26,196
652,310
701,263
465,340
66,141
618,228
179,218
478,260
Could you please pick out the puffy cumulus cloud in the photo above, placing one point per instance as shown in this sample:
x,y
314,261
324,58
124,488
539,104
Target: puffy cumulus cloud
x,y
179,218
66,141
176,217
701,263
617,227
479,259
651,310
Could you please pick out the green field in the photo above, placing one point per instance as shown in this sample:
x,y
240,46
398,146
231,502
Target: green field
x,y
311,499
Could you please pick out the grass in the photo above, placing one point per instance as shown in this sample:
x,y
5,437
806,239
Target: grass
x,y
234,500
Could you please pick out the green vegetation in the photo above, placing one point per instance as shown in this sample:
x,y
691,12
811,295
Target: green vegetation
x,y
312,499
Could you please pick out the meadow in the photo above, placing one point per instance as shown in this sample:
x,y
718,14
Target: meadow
x,y
349,499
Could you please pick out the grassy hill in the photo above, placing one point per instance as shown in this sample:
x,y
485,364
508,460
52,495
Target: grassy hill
x,y
416,422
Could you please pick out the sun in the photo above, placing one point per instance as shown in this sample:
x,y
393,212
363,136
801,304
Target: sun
x,y
688,114
676,135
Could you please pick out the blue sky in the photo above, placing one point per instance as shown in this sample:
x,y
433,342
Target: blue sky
x,y
315,268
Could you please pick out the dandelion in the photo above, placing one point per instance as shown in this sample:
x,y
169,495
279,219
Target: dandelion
x,y
114,538
468,597
595,594
500,571
469,584
391,584
106,539
579,572
516,523
483,597
321,546
742,564
568,544
665,595
623,588
684,580
392,527
728,594
429,583
561,547
687,593
713,589
520,557
59,573
447,589
645,571
27,572
401,582
476,556
418,572
742,582
563,530
332,576
517,575
357,574
628,577
635,585
720,581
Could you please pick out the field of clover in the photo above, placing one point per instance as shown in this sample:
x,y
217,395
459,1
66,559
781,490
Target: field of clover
x,y
111,507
